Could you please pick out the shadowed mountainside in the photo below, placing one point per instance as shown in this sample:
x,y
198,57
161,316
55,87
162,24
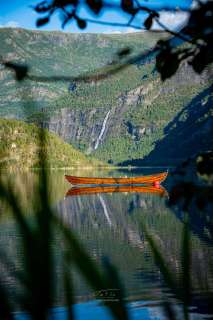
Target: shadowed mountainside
x,y
190,131
123,117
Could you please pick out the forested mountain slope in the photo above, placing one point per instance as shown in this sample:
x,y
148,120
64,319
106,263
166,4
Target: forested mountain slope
x,y
20,148
121,118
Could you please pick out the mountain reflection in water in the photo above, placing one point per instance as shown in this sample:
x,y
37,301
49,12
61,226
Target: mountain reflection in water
x,y
109,224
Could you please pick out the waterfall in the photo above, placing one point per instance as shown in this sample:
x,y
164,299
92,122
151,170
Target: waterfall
x,y
102,130
105,209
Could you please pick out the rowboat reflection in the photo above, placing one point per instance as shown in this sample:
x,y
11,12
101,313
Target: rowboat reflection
x,y
160,191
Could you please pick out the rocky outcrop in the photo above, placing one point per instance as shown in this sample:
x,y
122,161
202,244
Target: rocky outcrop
x,y
84,127
78,127
189,133
128,112
90,128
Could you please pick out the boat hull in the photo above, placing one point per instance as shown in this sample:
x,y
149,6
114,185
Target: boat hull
x,y
149,179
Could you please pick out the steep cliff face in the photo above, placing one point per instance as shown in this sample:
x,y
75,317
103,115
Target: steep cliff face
x,y
141,117
122,117
90,128
81,128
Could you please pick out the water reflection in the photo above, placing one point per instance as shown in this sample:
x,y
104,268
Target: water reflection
x,y
109,220
118,188
110,224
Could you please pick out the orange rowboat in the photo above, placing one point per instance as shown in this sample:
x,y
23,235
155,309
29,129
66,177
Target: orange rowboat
x,y
154,179
94,190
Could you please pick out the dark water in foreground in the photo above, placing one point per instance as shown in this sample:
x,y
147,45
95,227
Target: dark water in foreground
x,y
110,225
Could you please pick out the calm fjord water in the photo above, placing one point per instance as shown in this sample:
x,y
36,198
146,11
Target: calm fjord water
x,y
111,225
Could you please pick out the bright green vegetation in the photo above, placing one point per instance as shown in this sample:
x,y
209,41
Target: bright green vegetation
x,y
58,54
144,126
20,147
141,106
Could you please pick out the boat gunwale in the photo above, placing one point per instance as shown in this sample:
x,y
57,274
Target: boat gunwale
x,y
159,177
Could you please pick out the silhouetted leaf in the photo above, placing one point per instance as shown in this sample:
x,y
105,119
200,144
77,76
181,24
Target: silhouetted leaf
x,y
5,307
115,283
169,310
81,23
128,6
204,163
42,21
124,52
162,264
148,22
89,269
203,58
113,276
66,18
20,70
167,63
197,31
95,5
68,285
42,7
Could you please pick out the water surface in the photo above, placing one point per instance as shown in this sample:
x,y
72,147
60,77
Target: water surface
x,y
111,225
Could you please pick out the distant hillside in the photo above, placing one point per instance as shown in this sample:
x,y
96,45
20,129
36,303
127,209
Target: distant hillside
x,y
19,148
56,54
119,119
